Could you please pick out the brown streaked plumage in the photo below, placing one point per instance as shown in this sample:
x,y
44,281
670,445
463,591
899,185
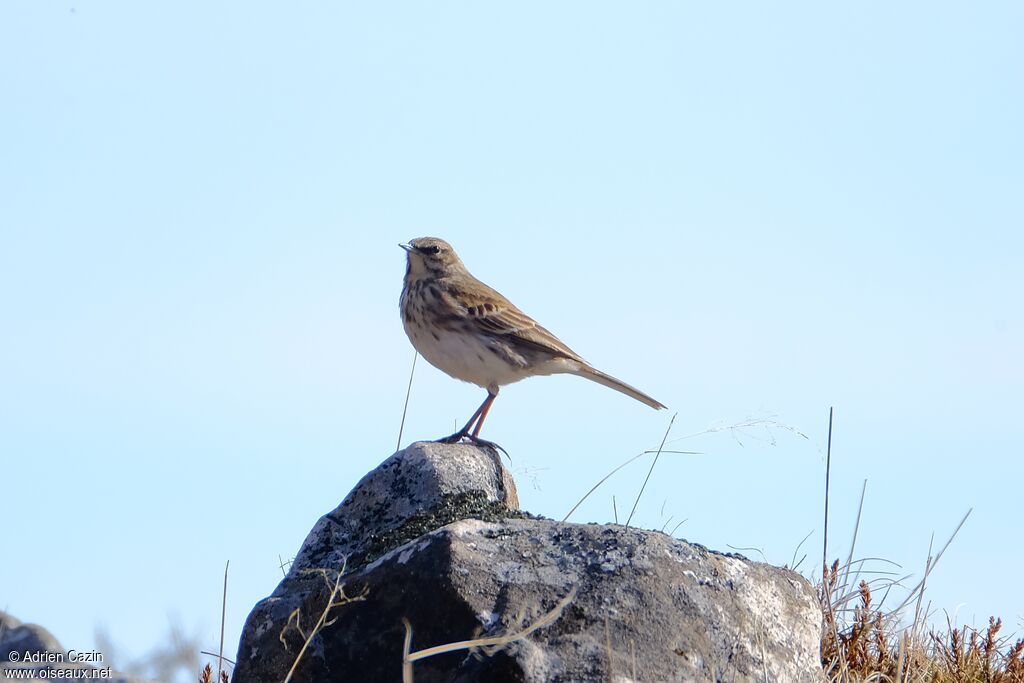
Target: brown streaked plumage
x,y
473,333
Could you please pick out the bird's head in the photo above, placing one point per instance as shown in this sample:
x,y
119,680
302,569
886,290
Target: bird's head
x,y
430,256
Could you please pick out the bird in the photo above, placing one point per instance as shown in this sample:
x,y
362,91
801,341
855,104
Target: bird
x,y
472,333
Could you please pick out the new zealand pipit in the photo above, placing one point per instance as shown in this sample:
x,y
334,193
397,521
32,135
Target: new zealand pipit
x,y
473,333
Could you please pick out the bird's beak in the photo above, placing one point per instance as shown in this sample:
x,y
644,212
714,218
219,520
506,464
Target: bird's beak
x,y
407,247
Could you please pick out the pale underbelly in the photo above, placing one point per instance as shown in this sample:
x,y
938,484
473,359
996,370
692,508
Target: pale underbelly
x,y
472,360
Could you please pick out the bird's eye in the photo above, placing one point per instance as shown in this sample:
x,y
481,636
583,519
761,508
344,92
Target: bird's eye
x,y
432,249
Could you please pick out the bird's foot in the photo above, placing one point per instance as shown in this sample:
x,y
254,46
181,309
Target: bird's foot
x,y
454,438
475,440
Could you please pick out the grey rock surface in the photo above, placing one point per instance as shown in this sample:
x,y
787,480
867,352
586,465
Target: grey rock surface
x,y
414,491
644,606
15,636
30,647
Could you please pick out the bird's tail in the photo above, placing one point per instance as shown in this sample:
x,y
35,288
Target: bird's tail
x,y
609,381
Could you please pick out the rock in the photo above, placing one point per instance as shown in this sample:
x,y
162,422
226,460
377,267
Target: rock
x,y
30,647
432,536
15,636
414,491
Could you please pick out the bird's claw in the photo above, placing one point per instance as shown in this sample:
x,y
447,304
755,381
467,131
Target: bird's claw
x,y
475,440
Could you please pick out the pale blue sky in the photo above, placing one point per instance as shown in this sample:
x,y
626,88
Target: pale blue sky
x,y
746,210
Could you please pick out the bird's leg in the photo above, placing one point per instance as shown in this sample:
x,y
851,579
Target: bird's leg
x,y
457,436
478,420
484,409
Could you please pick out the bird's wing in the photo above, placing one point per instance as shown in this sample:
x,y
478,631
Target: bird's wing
x,y
497,316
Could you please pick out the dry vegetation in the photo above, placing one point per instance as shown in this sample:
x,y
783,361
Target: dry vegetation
x,y
207,676
861,642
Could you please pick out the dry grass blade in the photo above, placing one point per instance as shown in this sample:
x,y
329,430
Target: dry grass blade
x,y
609,476
853,541
765,424
608,644
223,616
828,473
336,598
214,654
931,564
406,662
405,407
490,645
651,470
737,428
